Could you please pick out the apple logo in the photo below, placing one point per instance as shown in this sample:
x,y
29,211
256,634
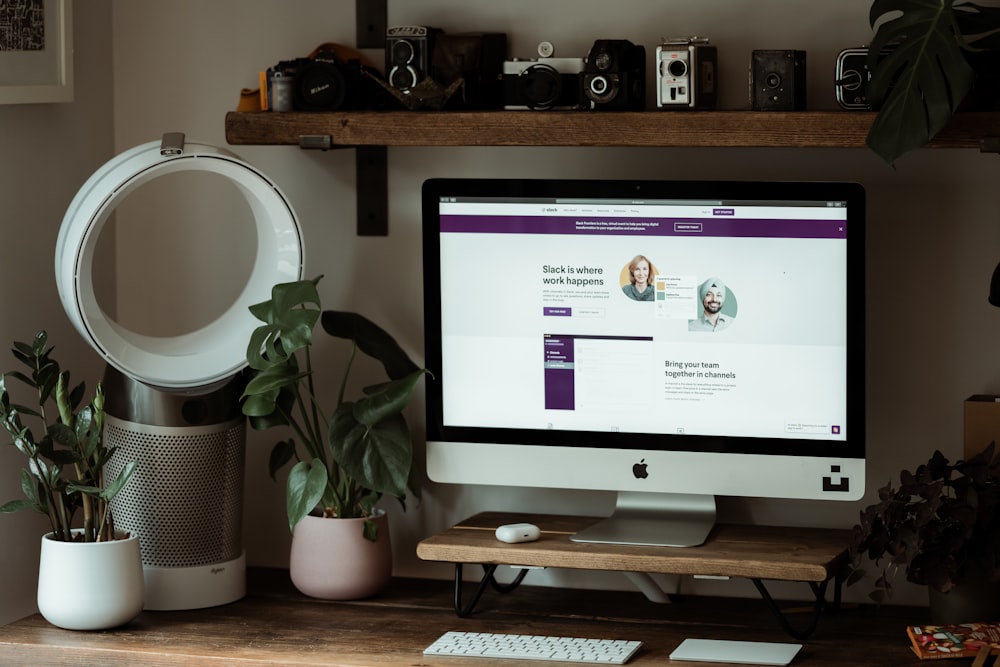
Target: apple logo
x,y
639,469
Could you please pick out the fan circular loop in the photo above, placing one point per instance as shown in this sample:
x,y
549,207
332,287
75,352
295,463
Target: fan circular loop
x,y
213,353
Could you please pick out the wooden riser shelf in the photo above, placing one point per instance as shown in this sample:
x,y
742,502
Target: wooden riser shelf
x,y
764,552
752,129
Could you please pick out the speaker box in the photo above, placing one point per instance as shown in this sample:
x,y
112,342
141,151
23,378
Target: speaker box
x,y
478,59
778,80
185,499
408,51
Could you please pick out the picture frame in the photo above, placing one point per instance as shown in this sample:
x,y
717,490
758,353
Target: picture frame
x,y
29,73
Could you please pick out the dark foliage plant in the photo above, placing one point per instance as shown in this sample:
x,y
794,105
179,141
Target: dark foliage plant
x,y
940,525
927,72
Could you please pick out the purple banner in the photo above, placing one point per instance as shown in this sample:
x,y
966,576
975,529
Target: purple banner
x,y
689,227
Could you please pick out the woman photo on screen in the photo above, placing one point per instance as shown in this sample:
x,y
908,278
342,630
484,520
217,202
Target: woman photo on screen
x,y
639,287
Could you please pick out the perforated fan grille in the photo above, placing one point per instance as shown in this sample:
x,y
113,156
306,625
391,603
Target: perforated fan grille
x,y
185,499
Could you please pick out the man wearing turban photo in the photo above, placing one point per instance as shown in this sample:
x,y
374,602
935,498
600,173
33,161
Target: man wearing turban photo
x,y
712,294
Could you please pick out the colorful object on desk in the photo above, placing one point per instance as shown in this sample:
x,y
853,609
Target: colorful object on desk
x,y
965,640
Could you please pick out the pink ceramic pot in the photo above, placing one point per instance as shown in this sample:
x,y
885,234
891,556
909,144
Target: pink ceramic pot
x,y
331,559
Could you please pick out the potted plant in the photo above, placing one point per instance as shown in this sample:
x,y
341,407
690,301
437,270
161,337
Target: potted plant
x,y
941,526
346,456
79,564
926,72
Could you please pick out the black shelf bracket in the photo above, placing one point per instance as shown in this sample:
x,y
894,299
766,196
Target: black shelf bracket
x,y
373,190
371,20
371,187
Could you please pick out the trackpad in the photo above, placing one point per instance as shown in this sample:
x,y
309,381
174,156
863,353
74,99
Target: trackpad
x,y
741,653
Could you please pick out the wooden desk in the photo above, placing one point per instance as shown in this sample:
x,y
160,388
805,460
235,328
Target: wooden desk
x,y
274,625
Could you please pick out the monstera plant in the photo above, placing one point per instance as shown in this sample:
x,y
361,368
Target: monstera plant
x,y
920,58
350,453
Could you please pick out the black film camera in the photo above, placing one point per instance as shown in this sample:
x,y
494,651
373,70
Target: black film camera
x,y
685,74
408,52
326,82
778,80
614,76
544,83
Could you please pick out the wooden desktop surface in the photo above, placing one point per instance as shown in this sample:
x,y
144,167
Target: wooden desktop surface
x,y
275,625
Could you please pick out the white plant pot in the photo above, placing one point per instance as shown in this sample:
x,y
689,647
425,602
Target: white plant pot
x,y
330,559
90,585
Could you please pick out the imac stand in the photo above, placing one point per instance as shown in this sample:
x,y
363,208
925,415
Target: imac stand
x,y
655,520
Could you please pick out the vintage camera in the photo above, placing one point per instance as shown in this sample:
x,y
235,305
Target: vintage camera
x,y
852,77
778,80
325,82
614,77
543,83
685,71
408,52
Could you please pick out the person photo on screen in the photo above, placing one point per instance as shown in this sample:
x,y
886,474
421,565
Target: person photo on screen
x,y
712,295
639,287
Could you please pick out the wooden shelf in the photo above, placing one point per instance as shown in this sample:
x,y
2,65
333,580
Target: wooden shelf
x,y
764,552
753,129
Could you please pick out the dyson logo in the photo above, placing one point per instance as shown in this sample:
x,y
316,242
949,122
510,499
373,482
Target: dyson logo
x,y
217,570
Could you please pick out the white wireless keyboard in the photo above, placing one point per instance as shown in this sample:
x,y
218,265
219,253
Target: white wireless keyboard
x,y
533,647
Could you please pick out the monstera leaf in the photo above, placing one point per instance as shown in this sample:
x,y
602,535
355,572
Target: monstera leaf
x,y
923,76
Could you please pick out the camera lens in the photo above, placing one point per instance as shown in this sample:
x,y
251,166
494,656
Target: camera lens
x,y
601,88
403,78
320,85
677,68
602,60
540,86
402,52
772,80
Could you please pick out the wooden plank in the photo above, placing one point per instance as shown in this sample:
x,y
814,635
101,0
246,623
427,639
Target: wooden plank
x,y
824,129
275,625
765,552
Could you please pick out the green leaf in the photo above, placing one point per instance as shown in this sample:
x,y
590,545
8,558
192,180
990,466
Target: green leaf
x,y
919,83
386,399
118,483
281,454
288,323
378,456
17,506
371,339
306,483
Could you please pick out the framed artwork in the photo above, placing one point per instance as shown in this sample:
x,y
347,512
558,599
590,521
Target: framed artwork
x,y
36,51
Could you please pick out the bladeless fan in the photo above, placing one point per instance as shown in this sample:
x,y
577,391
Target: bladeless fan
x,y
172,402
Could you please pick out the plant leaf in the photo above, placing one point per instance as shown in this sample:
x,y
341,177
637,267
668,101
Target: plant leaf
x,y
378,456
371,339
306,483
919,83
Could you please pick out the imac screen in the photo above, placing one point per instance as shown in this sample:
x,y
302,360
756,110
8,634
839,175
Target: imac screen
x,y
654,338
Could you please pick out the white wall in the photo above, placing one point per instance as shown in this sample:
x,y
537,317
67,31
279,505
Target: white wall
x,y
46,152
933,232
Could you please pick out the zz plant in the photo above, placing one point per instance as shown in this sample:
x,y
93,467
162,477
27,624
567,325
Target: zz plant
x,y
66,455
348,455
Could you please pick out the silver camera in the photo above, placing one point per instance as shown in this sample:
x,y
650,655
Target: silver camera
x,y
543,83
852,77
685,73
